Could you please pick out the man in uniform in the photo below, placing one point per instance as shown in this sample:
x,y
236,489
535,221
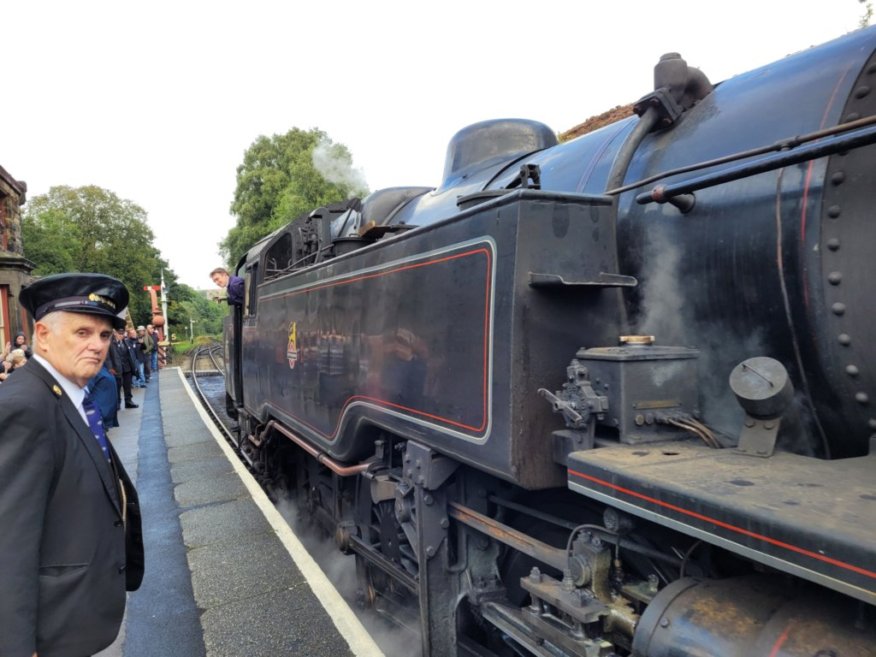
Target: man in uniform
x,y
70,538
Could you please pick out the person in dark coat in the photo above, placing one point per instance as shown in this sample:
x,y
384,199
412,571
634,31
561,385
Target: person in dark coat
x,y
114,365
71,541
105,393
135,348
19,342
126,358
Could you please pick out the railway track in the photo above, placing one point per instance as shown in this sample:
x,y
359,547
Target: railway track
x,y
207,362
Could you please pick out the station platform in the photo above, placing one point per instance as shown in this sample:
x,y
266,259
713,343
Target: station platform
x,y
225,575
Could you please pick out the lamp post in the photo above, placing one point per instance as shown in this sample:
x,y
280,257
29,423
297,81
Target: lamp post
x,y
191,330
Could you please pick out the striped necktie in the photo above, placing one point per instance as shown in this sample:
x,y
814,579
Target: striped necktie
x,y
95,423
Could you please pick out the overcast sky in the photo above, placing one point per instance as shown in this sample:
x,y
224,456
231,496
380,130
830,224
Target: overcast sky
x,y
157,101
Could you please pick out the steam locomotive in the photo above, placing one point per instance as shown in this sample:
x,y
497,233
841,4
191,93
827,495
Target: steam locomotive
x,y
607,397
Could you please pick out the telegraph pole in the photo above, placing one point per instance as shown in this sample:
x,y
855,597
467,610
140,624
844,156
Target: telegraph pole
x,y
163,296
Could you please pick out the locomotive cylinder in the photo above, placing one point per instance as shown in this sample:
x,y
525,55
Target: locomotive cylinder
x,y
749,617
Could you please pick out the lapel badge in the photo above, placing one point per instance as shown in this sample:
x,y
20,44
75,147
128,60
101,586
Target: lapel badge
x,y
57,390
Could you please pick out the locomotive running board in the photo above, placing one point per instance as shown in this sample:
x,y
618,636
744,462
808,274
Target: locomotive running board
x,y
603,280
813,518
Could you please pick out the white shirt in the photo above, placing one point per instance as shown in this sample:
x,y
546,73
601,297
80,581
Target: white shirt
x,y
74,392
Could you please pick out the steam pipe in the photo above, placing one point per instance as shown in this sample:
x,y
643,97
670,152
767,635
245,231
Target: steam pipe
x,y
628,149
321,457
781,145
830,146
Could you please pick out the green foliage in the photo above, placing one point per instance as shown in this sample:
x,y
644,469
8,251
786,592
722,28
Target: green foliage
x,y
191,310
283,177
90,229
868,14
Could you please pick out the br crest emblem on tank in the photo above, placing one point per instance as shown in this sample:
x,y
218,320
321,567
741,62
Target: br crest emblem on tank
x,y
292,346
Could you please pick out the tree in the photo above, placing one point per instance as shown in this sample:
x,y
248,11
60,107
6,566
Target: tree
x,y
864,21
90,229
188,305
283,177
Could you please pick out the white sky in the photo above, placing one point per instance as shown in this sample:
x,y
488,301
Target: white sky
x,y
157,101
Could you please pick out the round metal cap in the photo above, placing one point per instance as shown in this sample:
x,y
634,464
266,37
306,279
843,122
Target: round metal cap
x,y
762,387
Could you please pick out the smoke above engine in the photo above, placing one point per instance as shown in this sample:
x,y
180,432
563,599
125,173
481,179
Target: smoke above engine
x,y
333,162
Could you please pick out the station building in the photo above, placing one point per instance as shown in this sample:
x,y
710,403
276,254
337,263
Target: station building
x,y
15,269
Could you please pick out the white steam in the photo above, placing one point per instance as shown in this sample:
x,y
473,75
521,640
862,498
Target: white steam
x,y
663,307
340,569
669,290
333,162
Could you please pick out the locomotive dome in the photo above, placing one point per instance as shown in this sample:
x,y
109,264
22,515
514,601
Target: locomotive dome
x,y
484,143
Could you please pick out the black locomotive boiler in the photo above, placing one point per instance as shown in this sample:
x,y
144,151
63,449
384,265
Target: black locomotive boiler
x,y
615,396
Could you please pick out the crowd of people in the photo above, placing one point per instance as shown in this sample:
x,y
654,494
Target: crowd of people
x,y
130,362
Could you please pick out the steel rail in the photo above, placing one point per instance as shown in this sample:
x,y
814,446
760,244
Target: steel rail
x,y
196,354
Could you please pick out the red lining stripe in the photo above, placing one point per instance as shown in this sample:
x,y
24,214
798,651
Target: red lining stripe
x,y
780,642
387,272
486,356
724,525
381,402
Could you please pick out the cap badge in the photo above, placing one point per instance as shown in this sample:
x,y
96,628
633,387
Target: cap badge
x,y
99,299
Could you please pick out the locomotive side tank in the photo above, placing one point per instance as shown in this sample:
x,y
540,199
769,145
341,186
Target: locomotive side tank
x,y
432,334
602,398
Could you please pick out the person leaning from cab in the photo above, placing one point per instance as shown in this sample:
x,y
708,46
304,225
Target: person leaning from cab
x,y
234,284
70,535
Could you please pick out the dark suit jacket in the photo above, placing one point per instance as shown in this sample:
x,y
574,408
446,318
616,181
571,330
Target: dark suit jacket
x,y
114,359
66,554
125,355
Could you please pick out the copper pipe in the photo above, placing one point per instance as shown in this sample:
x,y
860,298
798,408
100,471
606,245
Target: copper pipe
x,y
321,457
521,542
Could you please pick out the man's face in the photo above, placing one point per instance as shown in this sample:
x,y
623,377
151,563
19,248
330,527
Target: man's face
x,y
149,329
132,333
220,279
75,344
